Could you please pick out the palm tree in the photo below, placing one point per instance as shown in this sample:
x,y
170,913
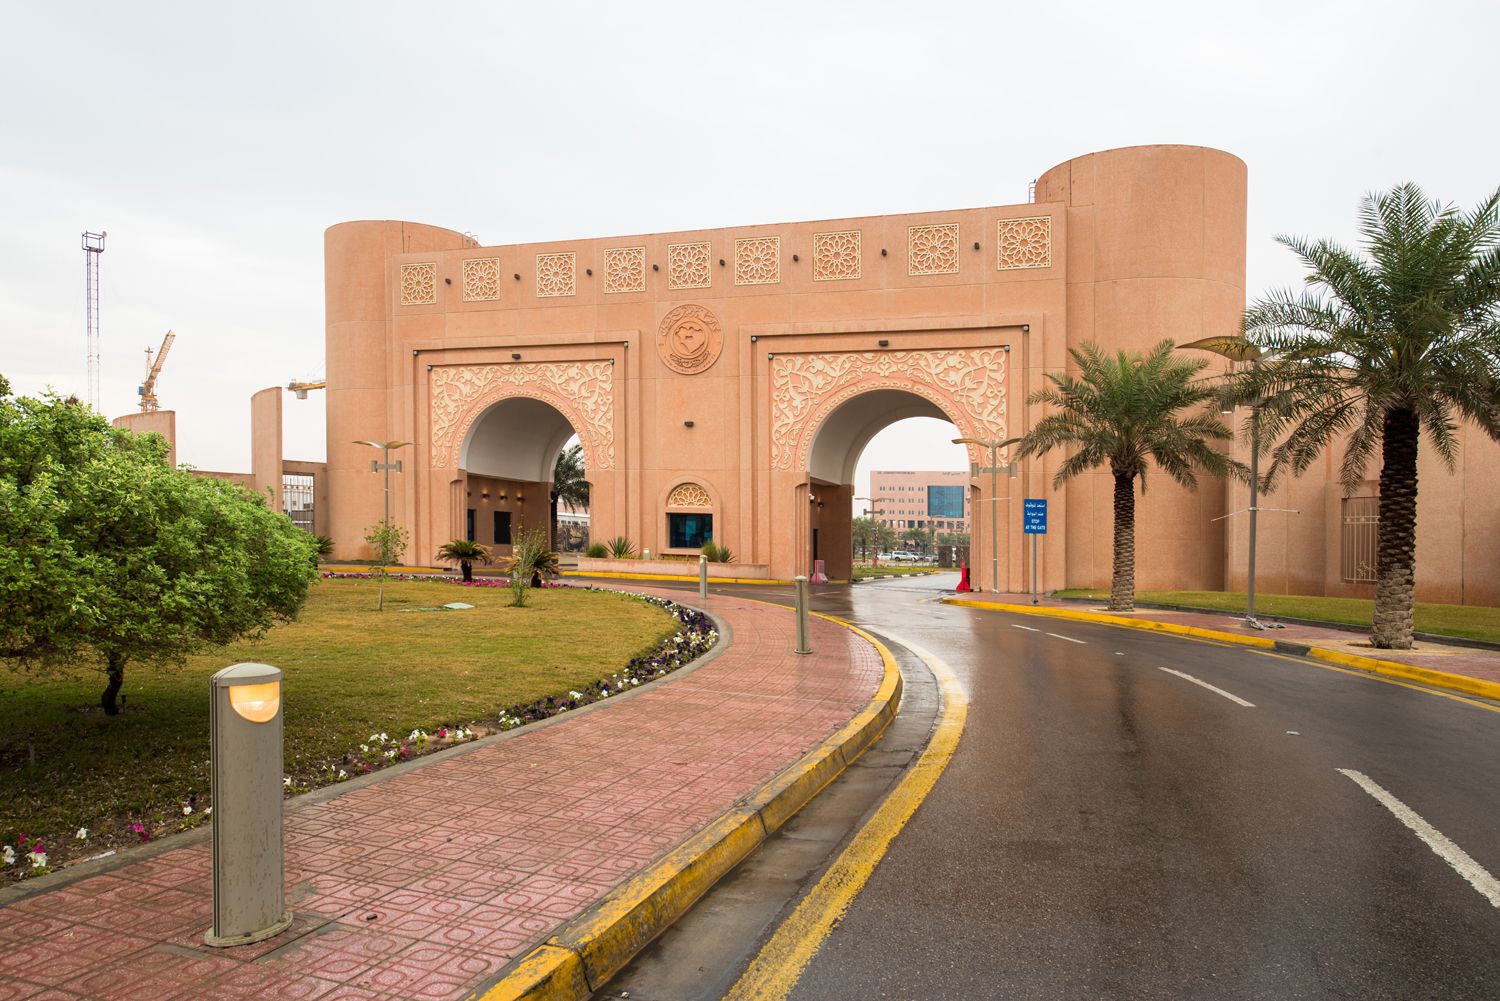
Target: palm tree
x,y
568,484
465,553
1380,347
1125,412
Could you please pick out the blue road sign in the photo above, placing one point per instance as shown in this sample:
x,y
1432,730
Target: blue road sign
x,y
1034,515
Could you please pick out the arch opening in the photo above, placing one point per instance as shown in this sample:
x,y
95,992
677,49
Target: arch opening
x,y
506,463
902,433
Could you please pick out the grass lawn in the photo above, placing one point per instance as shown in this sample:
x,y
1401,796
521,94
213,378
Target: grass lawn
x,y
1468,621
883,571
349,672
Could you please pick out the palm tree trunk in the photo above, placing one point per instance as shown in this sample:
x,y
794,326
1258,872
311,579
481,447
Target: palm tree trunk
x,y
1122,584
468,569
1396,545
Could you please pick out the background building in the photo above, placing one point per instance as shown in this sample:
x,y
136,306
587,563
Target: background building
x,y
932,499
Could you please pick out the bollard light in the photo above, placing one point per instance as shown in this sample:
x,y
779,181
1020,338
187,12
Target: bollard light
x,y
702,576
245,723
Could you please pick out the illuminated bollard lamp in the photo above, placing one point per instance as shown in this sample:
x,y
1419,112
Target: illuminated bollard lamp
x,y
249,900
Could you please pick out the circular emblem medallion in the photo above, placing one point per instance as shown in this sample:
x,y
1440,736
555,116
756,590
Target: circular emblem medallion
x,y
689,339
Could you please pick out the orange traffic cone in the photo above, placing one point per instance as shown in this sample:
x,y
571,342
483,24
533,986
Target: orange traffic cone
x,y
963,582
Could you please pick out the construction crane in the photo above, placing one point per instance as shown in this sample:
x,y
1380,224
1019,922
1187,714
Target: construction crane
x,y
93,246
301,388
147,389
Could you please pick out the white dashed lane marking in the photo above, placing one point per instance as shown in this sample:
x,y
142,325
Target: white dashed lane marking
x,y
1070,639
1477,875
1017,625
1217,691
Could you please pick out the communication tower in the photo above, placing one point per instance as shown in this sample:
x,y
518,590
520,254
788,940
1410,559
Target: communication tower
x,y
93,246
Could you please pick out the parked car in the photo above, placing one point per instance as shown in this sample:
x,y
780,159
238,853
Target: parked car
x,y
903,556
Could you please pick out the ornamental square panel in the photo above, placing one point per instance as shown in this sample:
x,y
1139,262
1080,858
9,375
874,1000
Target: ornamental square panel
x,y
932,250
688,265
757,260
482,279
556,274
625,269
689,495
836,256
1023,243
418,284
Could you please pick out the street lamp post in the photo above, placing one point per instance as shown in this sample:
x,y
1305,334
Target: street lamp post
x,y
387,465
875,511
994,446
1239,350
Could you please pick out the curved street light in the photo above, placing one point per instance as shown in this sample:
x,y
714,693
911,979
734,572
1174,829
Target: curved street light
x,y
1237,349
994,445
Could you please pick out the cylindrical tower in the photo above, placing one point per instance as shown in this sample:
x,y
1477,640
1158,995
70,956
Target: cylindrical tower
x,y
363,395
1156,249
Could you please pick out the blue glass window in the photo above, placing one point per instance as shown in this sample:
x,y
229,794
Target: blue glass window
x,y
689,531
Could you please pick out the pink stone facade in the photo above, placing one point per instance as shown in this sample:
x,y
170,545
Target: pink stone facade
x,y
737,373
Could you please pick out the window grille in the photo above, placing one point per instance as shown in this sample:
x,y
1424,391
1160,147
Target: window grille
x,y
297,500
1361,524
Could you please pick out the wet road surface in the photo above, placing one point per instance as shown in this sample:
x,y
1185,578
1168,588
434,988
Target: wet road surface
x,y
1118,822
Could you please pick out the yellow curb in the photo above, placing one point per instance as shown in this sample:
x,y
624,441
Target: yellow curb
x,y
1438,679
597,944
662,576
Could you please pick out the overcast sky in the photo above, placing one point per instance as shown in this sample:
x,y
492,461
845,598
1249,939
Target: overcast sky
x,y
216,142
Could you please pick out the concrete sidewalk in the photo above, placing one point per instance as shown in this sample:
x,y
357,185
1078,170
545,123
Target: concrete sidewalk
x,y
1460,660
427,883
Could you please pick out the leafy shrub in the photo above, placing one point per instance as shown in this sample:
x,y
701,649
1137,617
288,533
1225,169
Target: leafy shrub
x,y
597,551
621,548
717,553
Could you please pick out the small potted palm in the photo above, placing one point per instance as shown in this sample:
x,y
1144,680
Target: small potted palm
x,y
464,552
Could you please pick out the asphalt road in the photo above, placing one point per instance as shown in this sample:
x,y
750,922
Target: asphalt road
x,y
1108,829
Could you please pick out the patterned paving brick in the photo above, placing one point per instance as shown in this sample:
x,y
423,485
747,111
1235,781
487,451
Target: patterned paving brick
x,y
427,883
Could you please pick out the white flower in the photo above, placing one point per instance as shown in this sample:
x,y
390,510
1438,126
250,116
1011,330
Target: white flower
x,y
38,859
576,695
364,748
343,775
186,809
207,810
9,855
83,834
286,780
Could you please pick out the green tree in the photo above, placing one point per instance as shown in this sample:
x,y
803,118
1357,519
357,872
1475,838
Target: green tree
x,y
919,539
863,530
111,555
464,552
568,484
1379,348
389,541
1127,412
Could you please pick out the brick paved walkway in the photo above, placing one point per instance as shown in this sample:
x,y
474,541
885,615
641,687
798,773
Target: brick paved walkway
x,y
1475,663
427,883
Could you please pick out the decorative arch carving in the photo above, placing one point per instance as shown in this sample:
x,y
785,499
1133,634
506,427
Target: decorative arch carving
x,y
967,384
689,495
583,392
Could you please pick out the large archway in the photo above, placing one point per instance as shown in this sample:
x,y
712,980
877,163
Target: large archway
x,y
505,464
832,457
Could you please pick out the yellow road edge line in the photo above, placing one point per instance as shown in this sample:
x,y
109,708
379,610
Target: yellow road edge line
x,y
597,944
1364,665
775,970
